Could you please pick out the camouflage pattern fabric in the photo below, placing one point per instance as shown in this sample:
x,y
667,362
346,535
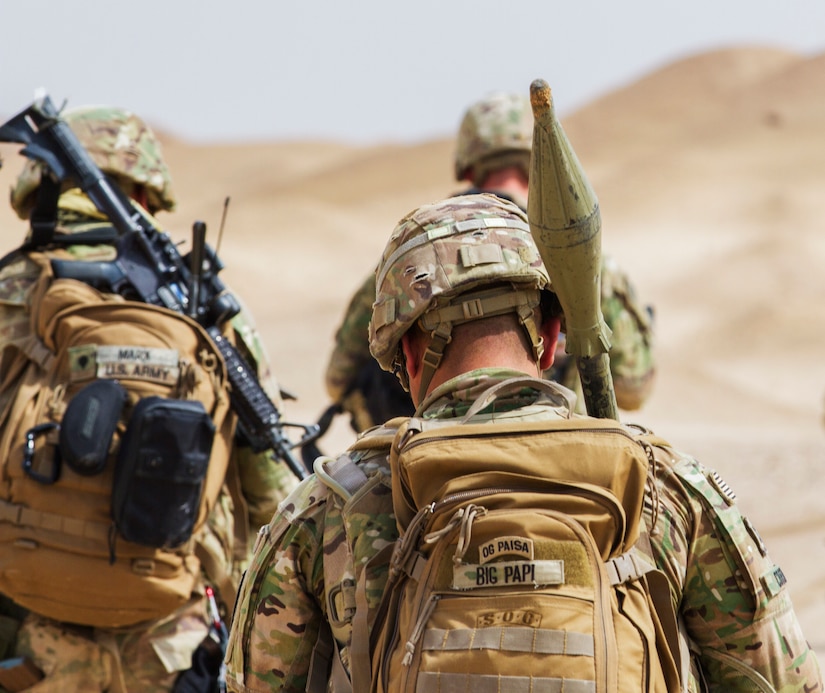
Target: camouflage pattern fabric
x,y
145,660
283,601
121,144
148,658
743,630
498,126
352,348
447,249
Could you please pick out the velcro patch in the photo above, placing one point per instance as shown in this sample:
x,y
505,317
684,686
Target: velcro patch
x,y
721,485
520,546
150,364
486,254
773,581
470,576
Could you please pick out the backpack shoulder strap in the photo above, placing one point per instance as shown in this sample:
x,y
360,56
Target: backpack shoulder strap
x,y
659,453
343,475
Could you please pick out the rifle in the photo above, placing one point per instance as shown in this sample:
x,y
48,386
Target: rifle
x,y
149,268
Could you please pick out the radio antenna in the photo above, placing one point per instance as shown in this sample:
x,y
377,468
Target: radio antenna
x,y
223,222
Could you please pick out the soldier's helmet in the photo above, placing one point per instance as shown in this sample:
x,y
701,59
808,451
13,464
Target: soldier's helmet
x,y
494,132
121,144
461,259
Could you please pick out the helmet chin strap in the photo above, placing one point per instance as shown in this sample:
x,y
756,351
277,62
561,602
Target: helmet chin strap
x,y
500,300
440,337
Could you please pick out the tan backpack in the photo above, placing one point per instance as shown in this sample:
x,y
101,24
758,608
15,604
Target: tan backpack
x,y
115,437
517,567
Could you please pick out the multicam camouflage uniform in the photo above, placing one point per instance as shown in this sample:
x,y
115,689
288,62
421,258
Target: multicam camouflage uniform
x,y
149,657
497,132
731,598
306,560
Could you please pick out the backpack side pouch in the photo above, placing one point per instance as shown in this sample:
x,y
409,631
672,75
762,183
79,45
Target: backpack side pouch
x,y
89,424
160,471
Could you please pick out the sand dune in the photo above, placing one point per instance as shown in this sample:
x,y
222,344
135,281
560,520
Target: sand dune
x,y
710,175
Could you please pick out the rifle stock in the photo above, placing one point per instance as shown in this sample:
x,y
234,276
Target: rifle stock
x,y
149,268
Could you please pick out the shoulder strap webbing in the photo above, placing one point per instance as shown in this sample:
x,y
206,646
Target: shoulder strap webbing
x,y
319,661
632,566
672,627
361,644
325,665
342,475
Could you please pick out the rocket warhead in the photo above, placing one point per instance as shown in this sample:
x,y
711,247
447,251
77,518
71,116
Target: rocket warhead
x,y
566,224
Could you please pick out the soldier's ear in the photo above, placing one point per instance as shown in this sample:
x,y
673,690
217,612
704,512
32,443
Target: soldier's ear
x,y
549,331
413,355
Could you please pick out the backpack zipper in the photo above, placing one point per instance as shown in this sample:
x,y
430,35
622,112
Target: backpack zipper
x,y
415,436
453,498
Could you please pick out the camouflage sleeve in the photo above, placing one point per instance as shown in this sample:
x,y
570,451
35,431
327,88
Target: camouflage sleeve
x,y
351,350
731,597
631,355
304,571
265,482
277,615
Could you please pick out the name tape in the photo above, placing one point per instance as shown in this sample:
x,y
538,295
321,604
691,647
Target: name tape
x,y
151,364
470,576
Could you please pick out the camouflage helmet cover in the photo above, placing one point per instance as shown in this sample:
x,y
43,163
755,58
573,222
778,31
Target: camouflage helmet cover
x,y
120,143
500,124
442,251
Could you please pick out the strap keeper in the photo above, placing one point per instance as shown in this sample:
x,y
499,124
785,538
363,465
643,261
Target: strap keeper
x,y
414,565
625,568
472,309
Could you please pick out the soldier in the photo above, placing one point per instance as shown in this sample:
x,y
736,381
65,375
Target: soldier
x,y
154,655
306,573
493,155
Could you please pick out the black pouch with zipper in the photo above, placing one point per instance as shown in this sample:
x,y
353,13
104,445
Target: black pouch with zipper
x,y
160,471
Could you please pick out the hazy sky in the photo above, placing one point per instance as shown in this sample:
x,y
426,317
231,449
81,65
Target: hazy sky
x,y
361,71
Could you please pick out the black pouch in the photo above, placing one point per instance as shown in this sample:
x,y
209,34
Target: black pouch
x,y
88,425
160,471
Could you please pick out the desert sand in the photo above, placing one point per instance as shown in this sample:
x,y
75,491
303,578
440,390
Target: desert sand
x,y
710,175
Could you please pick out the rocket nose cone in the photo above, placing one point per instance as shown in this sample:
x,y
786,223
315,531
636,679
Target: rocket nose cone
x,y
541,99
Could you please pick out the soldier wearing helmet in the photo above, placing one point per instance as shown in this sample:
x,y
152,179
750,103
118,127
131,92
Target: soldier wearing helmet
x,y
493,155
448,265
496,134
157,654
463,303
121,145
